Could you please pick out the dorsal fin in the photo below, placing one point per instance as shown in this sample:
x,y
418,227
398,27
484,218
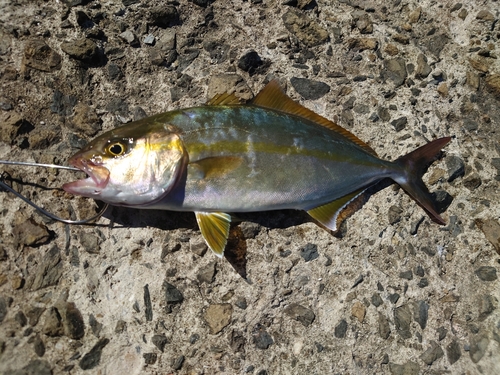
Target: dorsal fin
x,y
224,99
273,97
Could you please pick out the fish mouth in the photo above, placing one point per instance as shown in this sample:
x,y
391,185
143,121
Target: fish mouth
x,y
92,186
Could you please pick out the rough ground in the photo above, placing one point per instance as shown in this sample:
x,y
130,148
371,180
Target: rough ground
x,y
139,293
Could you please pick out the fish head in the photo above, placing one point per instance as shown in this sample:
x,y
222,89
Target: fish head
x,y
127,167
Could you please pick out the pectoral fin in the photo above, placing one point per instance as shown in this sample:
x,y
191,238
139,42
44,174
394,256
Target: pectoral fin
x,y
214,167
214,227
332,214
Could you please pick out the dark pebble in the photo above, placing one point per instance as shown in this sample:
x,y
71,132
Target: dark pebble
x,y
206,273
149,358
472,182
250,62
177,363
33,315
453,352
95,326
121,326
309,252
358,281
300,313
395,70
241,302
441,333
423,283
114,72
93,357
400,123
442,200
39,346
407,275
159,341
432,354
172,294
164,16
456,167
309,89
83,20
148,307
393,298
419,271
194,337
63,104
81,49
53,323
436,44
486,273
20,318
341,329
38,55
402,320
384,329
376,300
73,321
421,313
261,338
409,368
487,304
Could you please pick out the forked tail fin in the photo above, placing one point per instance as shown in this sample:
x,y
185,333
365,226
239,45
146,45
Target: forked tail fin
x,y
414,166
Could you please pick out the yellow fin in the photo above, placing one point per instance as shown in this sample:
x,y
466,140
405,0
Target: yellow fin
x,y
273,97
332,214
214,227
216,167
224,99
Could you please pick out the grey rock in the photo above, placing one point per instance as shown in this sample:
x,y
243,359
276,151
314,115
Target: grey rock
x,y
172,294
48,272
395,211
186,57
34,315
384,114
487,304
309,252
421,313
38,346
129,37
63,104
53,326
473,181
486,273
219,51
419,271
148,307
250,62
407,275
409,368
300,313
376,300
423,69
121,326
114,72
402,320
362,22
400,123
261,338
307,30
393,298
93,357
3,308
456,167
164,16
177,363
436,44
150,358
159,341
149,39
340,329
30,233
198,246
86,121
432,354
167,40
83,20
453,352
395,70
442,199
206,273
478,346
81,49
38,55
485,15
358,281
95,325
20,318
441,333
218,316
249,229
384,329
309,89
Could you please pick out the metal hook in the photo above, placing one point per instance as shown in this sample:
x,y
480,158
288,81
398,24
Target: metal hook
x,y
3,185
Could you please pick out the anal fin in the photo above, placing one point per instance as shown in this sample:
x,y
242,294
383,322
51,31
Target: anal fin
x,y
332,214
214,227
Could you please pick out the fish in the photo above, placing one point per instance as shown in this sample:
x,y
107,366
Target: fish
x,y
229,157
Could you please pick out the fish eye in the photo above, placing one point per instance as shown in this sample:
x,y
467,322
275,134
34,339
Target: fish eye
x,y
116,148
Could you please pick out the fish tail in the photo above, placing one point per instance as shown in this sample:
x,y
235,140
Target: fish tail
x,y
414,166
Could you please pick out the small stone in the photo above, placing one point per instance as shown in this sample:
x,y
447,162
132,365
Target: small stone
x,y
95,326
38,346
81,49
443,89
172,294
456,167
20,318
206,273
358,281
472,80
129,37
485,15
432,354
362,22
421,313
48,272
83,20
341,329
395,70
400,123
415,15
486,273
391,49
358,310
34,315
30,233
150,358
250,62
93,357
492,82
38,55
53,323
159,341
491,230
121,326
436,44
149,39
261,338
487,304
442,200
309,89
164,16
148,307
376,300
473,181
228,83
393,298
362,44
478,346
453,352
241,302
479,65
394,213
423,283
384,329
442,333
419,271
114,72
309,252
402,320
218,316
409,368
85,119
306,29
72,320
407,275
300,313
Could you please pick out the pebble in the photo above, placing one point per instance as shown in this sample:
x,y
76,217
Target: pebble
x,y
300,313
442,199
172,294
150,358
384,329
306,29
432,354
436,44
395,211
38,346
93,357
148,307
261,338
358,310
486,273
53,323
81,49
72,320
487,304
48,272
149,39
362,22
490,229
402,320
456,167
453,352
309,89
164,16
95,326
407,275
309,252
395,70
159,341
206,273
492,82
38,55
230,83
129,37
34,314
409,368
485,15
218,316
478,346
362,44
85,119
340,329
250,62
219,51
473,181
376,300
30,233
421,313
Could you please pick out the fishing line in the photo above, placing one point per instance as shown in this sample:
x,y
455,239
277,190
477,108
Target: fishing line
x,y
6,187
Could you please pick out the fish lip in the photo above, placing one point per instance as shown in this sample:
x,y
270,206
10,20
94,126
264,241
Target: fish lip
x,y
98,177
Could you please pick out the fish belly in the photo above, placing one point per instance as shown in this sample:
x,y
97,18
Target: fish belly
x,y
283,162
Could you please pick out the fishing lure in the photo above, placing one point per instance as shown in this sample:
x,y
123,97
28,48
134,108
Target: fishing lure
x,y
228,157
